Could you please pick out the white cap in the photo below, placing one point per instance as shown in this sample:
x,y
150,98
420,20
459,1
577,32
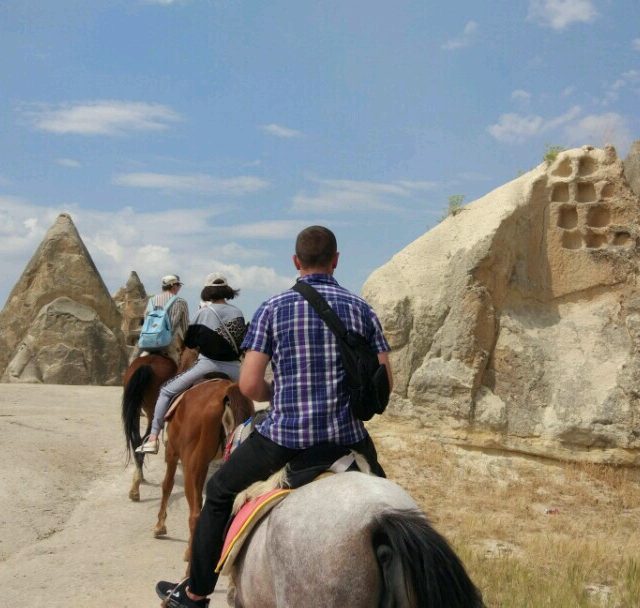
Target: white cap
x,y
170,280
215,279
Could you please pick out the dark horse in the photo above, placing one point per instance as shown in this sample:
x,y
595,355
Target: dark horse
x,y
142,382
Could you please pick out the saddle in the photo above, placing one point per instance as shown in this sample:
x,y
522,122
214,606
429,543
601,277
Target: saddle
x,y
256,502
210,377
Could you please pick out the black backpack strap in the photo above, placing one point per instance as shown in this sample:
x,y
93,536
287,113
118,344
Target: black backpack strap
x,y
321,306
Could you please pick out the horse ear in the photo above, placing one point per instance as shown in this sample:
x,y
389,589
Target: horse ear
x,y
241,406
228,422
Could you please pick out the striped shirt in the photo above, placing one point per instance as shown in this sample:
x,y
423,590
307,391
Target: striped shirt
x,y
178,313
310,402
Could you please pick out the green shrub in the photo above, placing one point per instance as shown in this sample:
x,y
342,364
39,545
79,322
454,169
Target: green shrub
x,y
455,205
551,152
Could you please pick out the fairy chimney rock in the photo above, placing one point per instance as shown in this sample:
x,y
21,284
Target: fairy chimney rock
x,y
131,301
60,324
515,324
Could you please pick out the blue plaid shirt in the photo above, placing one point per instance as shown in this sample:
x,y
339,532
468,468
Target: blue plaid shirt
x,y
310,402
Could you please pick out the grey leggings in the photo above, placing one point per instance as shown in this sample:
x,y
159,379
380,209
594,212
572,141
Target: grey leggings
x,y
183,381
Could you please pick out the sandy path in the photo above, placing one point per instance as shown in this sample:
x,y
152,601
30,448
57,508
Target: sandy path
x,y
69,534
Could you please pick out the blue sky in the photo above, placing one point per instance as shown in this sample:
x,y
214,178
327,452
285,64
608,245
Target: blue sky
x,y
193,136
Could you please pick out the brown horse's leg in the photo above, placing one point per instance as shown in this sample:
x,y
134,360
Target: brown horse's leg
x,y
171,458
194,469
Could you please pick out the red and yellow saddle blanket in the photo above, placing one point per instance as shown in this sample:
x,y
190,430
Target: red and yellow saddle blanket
x,y
245,520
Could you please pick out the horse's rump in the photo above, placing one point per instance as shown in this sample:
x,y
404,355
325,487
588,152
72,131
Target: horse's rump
x,y
340,541
142,382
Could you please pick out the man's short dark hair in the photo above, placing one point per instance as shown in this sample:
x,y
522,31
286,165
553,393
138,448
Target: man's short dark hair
x,y
316,246
224,292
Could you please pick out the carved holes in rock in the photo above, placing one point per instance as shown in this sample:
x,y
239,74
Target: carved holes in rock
x,y
560,193
567,217
598,216
563,169
593,240
587,166
585,192
607,191
622,239
572,240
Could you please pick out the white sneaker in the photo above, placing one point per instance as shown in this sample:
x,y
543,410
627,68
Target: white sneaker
x,y
148,447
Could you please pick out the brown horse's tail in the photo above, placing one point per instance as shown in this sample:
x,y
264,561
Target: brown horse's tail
x,y
132,398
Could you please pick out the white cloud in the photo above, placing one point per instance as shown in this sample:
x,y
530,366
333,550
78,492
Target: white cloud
x,y
521,96
559,14
600,129
238,252
280,131
464,40
417,185
187,241
514,128
102,117
340,195
635,43
567,91
200,183
269,230
627,79
68,162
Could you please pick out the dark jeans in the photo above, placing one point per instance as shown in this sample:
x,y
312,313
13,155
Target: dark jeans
x,y
254,460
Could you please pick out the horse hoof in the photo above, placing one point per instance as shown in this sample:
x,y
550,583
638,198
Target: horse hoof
x,y
161,531
134,496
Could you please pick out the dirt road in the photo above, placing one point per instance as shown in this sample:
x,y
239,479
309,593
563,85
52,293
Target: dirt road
x,y
70,536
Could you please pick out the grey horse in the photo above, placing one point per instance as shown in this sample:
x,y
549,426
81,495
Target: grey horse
x,y
349,541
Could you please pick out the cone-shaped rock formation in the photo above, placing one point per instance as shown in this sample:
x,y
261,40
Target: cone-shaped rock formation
x,y
60,324
131,301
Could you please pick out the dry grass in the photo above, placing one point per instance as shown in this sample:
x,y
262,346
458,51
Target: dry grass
x,y
532,533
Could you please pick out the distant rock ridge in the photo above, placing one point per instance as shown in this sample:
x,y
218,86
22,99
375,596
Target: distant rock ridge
x,y
60,324
515,324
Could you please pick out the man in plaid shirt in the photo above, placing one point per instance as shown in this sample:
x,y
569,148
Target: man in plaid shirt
x,y
309,400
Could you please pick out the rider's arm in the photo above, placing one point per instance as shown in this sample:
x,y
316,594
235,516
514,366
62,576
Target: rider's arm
x,y
252,382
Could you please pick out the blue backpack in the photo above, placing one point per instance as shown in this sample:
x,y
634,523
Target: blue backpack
x,y
156,332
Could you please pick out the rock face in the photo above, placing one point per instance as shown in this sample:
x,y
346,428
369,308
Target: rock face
x,y
632,167
515,324
131,301
60,325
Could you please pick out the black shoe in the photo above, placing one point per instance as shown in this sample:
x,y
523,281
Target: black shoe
x,y
174,595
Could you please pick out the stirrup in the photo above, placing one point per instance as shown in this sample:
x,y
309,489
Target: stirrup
x,y
148,447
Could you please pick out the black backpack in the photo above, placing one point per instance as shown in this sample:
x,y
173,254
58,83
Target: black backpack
x,y
367,378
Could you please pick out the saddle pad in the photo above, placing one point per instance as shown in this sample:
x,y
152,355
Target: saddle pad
x,y
176,402
245,520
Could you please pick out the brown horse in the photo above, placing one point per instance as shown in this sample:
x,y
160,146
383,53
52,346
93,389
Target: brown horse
x,y
196,433
142,382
